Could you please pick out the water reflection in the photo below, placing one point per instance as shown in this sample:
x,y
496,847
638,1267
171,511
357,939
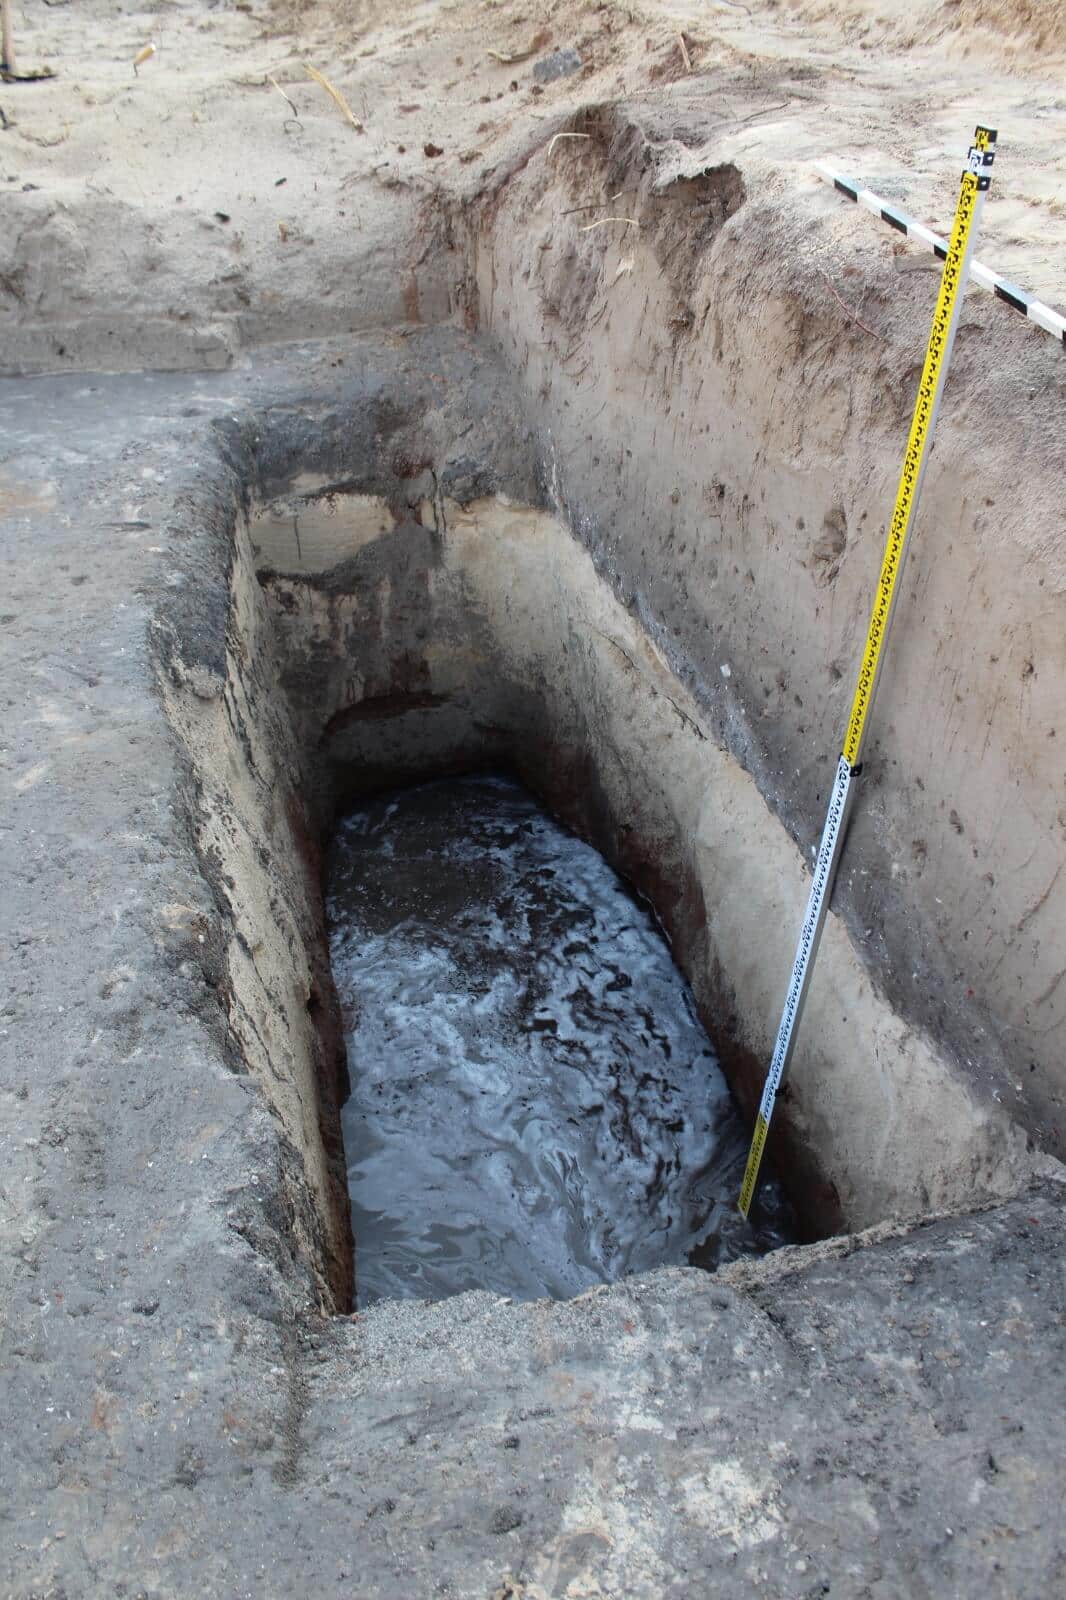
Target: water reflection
x,y
535,1107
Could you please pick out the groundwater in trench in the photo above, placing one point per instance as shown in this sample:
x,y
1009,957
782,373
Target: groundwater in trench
x,y
535,1107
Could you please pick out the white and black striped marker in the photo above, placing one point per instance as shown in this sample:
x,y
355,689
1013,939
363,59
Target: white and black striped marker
x,y
1052,322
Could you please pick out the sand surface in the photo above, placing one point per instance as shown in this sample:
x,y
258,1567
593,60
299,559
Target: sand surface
x,y
192,206
878,1415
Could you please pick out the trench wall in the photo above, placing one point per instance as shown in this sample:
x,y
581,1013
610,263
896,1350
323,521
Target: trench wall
x,y
260,854
456,635
725,440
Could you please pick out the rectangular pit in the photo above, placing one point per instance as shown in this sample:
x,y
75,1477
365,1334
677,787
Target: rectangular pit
x,y
437,617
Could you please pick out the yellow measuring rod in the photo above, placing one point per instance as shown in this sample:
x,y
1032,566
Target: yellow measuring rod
x,y
972,190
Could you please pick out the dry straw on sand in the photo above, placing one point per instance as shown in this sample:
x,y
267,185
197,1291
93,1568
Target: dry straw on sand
x,y
335,95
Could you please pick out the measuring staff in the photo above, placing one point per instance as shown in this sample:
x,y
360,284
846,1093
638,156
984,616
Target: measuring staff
x,y
972,190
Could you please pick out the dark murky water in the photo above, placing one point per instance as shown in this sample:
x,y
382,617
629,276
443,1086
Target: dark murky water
x,y
535,1107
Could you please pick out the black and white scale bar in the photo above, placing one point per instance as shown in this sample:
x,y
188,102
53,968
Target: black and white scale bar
x,y
1052,322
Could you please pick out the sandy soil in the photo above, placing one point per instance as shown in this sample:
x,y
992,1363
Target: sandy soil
x,y
191,207
882,1417
216,198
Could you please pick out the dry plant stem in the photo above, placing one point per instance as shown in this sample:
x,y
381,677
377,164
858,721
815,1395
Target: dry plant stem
x,y
630,222
686,58
335,95
595,205
848,311
276,85
557,136
762,112
506,60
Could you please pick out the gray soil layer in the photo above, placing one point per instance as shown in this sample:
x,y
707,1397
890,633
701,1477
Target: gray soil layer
x,y
879,1415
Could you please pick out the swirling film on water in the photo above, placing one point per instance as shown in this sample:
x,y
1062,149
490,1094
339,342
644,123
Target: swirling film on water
x,y
535,1106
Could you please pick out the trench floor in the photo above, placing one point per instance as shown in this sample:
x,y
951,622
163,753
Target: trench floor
x,y
535,1106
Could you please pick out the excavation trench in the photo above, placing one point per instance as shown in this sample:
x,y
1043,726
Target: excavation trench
x,y
393,597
